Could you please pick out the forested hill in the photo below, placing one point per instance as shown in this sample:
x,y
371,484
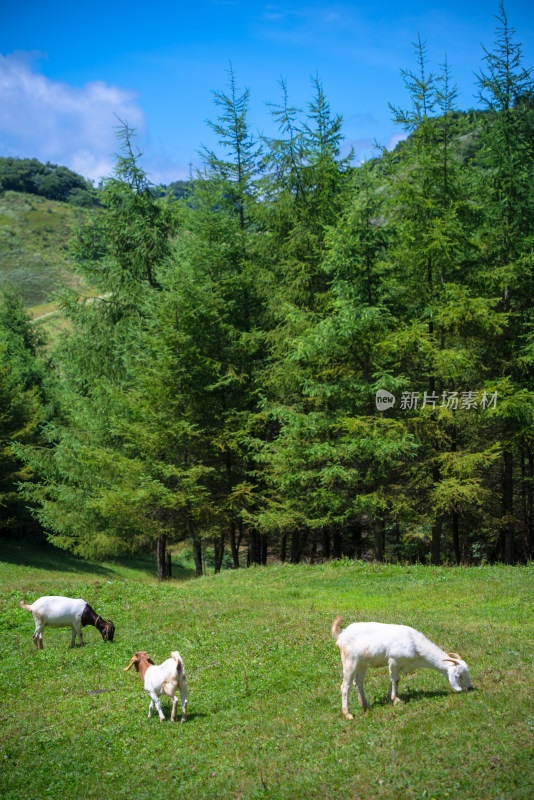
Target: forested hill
x,y
302,360
55,182
31,176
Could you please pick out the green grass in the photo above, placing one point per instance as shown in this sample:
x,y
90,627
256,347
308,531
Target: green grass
x,y
264,674
34,245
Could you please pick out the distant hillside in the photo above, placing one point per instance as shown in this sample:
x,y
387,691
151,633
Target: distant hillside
x,y
34,242
34,245
46,180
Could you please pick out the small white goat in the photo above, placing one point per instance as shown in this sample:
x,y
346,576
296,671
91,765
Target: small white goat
x,y
65,612
402,649
161,679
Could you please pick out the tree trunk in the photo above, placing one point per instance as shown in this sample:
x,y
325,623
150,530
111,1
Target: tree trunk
x,y
313,554
530,505
235,542
197,555
526,500
336,545
233,545
283,548
295,547
254,547
161,549
298,541
219,552
264,548
196,544
326,544
456,537
508,507
435,546
357,540
379,540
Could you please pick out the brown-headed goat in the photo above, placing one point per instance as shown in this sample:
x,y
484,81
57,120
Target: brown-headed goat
x,y
64,612
161,679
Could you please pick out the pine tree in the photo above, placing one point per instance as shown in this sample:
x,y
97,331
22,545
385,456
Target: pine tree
x,y
443,318
508,157
99,493
21,411
237,172
215,278
327,443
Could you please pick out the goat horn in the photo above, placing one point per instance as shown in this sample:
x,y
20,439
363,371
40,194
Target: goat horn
x,y
452,660
453,655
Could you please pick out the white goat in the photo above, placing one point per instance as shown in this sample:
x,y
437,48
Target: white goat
x,y
161,679
65,612
402,649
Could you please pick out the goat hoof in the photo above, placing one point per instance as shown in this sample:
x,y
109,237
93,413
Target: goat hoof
x,y
348,716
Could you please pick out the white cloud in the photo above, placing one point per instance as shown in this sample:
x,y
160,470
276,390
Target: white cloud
x,y
52,121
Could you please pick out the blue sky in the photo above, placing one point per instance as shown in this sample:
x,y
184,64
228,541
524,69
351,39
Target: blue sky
x,y
67,69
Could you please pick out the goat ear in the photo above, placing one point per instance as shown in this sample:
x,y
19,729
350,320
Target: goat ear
x,y
132,662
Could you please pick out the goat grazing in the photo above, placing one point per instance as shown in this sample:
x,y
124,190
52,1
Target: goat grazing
x,y
64,612
161,679
402,649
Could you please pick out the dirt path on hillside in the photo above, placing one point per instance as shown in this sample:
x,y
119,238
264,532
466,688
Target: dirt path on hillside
x,y
57,311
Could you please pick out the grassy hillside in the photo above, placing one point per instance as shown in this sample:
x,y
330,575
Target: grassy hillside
x,y
34,245
264,675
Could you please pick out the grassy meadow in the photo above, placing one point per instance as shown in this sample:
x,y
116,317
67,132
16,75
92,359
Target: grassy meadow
x,y
34,246
264,675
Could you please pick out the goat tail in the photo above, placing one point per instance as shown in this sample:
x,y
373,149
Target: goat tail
x,y
179,663
336,626
25,605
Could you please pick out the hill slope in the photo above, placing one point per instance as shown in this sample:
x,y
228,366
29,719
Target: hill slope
x,y
34,245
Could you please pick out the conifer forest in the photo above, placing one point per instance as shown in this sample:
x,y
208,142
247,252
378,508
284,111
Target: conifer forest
x,y
301,358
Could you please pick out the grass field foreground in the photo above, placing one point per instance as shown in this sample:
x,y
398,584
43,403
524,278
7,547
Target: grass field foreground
x,y
264,675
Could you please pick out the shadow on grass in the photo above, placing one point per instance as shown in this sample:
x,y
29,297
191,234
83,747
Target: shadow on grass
x,y
45,556
193,715
413,695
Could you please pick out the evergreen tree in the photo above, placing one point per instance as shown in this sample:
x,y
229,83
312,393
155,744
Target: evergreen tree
x,y
21,339
237,172
434,255
506,241
99,494
20,415
315,470
21,396
214,279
